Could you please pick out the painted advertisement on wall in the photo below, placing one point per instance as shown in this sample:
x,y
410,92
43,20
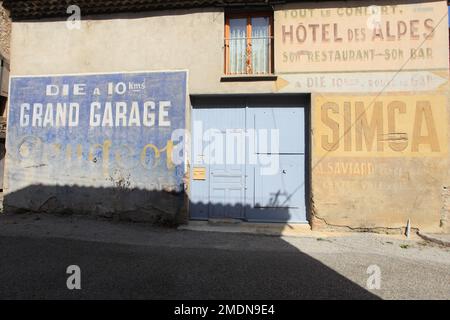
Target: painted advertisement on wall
x,y
379,160
357,36
121,130
379,192
363,82
380,126
379,77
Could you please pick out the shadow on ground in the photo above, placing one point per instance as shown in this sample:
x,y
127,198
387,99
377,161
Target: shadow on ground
x,y
225,267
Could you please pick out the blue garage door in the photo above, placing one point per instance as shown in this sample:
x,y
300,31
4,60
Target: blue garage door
x,y
251,157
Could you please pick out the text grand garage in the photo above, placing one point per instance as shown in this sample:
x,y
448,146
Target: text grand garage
x,y
107,114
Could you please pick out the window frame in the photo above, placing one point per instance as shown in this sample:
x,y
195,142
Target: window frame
x,y
248,16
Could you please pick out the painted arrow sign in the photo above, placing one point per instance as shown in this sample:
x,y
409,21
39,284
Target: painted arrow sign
x,y
367,82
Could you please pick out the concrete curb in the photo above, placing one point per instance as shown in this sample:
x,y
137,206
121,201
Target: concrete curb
x,y
299,230
267,229
435,238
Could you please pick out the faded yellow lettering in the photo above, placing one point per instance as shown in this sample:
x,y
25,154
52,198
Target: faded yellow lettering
x,y
424,112
333,125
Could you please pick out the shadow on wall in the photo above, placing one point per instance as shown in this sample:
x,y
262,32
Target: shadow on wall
x,y
121,203
218,265
118,203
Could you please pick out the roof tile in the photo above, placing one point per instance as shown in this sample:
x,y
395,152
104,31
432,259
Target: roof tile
x,y
35,9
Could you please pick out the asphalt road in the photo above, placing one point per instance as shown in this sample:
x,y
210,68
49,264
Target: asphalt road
x,y
124,261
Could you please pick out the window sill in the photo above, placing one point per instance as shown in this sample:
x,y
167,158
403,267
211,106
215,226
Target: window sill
x,y
248,77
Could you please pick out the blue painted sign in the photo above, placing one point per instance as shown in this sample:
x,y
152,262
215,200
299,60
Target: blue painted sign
x,y
123,129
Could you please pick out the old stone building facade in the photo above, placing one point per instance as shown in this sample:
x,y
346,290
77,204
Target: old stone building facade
x,y
355,94
5,31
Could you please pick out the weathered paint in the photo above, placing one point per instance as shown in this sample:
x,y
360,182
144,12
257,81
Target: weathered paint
x,y
363,82
359,189
339,36
380,126
379,160
121,130
379,193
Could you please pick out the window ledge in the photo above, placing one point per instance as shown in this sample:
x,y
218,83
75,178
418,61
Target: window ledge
x,y
248,77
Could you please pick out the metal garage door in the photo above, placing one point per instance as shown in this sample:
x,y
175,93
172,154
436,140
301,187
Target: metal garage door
x,y
235,178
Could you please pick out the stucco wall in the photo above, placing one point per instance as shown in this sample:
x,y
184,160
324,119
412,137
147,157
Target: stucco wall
x,y
380,121
395,186
179,39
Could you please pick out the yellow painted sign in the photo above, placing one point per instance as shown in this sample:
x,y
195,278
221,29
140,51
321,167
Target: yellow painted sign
x,y
383,126
199,173
359,36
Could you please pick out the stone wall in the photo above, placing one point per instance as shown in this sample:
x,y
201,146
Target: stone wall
x,y
5,31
